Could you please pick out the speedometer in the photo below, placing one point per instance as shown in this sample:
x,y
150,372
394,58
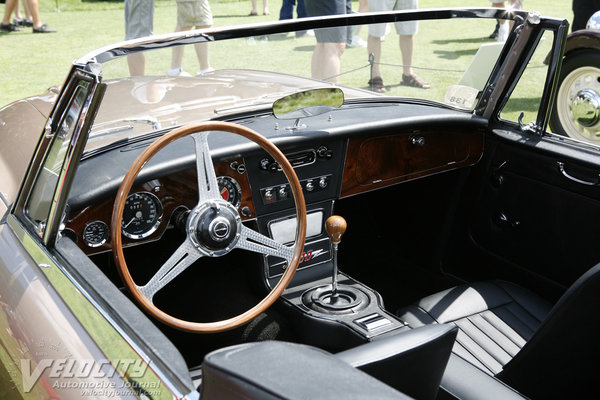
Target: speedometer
x,y
230,190
141,216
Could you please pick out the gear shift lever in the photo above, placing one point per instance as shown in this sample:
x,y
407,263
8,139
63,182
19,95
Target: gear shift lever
x,y
335,299
335,227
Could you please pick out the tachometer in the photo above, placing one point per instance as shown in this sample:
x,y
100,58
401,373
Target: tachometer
x,y
95,234
141,216
230,190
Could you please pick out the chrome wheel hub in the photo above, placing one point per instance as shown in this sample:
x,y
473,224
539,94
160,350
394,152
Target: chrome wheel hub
x,y
585,108
578,104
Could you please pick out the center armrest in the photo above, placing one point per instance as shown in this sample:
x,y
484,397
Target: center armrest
x,y
412,362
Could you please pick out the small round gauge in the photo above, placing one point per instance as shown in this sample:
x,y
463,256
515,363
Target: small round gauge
x,y
95,234
141,216
230,190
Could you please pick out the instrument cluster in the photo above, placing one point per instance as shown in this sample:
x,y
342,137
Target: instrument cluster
x,y
154,206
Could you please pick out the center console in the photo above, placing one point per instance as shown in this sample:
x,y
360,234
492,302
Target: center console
x,y
320,294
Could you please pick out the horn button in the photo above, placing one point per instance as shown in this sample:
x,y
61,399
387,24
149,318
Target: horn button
x,y
214,227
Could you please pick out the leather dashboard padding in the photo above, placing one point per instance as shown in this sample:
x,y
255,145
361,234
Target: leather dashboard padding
x,y
412,361
281,370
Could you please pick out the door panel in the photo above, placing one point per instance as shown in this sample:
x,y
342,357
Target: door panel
x,y
527,221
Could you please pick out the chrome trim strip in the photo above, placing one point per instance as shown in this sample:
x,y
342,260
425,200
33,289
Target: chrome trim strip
x,y
4,200
125,48
20,231
55,214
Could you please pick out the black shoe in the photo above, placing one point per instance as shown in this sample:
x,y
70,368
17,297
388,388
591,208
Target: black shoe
x,y
494,34
23,22
43,29
9,28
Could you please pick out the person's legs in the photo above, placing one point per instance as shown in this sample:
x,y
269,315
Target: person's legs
x,y
350,29
202,53
301,9
136,64
177,54
331,42
406,47
287,10
253,11
34,8
139,22
9,7
266,7
363,6
26,10
326,60
409,78
376,32
374,47
17,12
38,25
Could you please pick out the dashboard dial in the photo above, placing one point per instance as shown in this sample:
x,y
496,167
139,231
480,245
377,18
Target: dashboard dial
x,y
230,190
95,234
141,216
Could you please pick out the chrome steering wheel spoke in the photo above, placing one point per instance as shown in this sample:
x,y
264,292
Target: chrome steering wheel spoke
x,y
179,261
259,243
208,188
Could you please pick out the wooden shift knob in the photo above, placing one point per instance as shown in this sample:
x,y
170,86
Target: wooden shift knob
x,y
335,227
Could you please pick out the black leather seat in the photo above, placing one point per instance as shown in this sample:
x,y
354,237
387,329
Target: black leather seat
x,y
513,334
495,320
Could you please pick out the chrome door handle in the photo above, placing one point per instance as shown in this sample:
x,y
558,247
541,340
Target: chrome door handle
x,y
561,168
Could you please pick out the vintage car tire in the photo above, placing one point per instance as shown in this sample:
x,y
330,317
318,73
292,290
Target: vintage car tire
x,y
580,70
117,216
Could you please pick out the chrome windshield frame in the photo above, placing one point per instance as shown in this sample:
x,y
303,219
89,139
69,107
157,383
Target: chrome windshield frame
x,y
163,41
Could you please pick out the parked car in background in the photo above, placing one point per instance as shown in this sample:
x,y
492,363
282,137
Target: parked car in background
x,y
577,110
254,232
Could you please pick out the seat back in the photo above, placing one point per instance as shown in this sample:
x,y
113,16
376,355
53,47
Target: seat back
x,y
281,370
412,361
562,358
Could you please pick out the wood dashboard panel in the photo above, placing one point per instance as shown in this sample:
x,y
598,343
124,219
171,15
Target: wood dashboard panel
x,y
376,162
173,191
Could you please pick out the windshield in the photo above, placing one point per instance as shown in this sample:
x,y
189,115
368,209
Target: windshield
x,y
447,61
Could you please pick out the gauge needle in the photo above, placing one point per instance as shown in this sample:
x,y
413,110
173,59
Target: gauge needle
x,y
130,221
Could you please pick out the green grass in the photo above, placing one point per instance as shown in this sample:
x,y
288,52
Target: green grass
x,y
29,63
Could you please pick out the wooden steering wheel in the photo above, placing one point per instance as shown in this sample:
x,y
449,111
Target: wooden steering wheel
x,y
213,227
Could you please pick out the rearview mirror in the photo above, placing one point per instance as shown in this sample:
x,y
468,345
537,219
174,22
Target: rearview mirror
x,y
308,103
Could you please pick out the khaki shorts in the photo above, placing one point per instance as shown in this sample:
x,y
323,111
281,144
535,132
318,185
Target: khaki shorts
x,y
139,18
402,28
193,13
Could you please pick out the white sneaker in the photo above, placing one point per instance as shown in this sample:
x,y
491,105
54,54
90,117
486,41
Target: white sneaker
x,y
503,32
177,72
310,32
357,41
205,71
